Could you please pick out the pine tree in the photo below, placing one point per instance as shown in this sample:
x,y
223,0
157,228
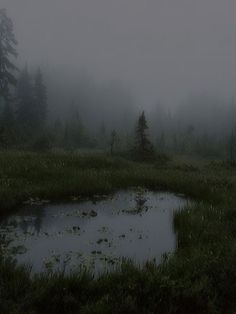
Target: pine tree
x,y
58,132
113,141
7,78
7,130
74,136
40,100
232,146
103,135
8,119
143,147
7,51
26,116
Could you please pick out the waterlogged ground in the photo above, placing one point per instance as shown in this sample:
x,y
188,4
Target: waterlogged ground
x,y
95,233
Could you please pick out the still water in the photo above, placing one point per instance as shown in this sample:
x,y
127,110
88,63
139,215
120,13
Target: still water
x,y
95,233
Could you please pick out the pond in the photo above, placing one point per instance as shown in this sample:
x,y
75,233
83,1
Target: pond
x,y
96,233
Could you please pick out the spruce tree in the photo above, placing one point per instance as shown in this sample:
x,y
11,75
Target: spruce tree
x,y
103,135
26,117
40,100
7,51
7,78
7,130
58,132
143,147
232,146
113,141
74,136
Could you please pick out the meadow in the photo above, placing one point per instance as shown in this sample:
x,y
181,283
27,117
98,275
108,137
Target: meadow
x,y
199,278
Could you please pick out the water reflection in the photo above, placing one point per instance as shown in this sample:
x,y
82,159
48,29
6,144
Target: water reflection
x,y
141,200
28,221
97,233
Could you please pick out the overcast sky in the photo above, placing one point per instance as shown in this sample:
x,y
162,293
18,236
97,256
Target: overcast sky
x,y
164,49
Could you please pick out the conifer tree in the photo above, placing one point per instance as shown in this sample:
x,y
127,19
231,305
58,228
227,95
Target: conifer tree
x,y
232,146
40,100
113,141
7,77
7,129
7,51
103,135
143,147
74,135
26,120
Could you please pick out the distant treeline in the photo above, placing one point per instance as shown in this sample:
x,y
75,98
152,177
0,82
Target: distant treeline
x,y
48,108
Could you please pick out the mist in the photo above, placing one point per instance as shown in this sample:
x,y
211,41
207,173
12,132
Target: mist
x,y
104,62
118,156
162,50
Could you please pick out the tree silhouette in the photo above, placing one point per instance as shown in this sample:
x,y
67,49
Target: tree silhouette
x,y
7,78
26,117
40,99
143,147
113,141
7,51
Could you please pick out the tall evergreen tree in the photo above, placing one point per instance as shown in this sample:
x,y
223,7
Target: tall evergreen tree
x,y
8,119
113,141
232,146
8,133
40,100
7,51
103,135
58,132
7,78
143,147
74,130
26,117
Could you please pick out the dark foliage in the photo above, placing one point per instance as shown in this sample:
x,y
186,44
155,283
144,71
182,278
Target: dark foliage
x,y
143,149
7,50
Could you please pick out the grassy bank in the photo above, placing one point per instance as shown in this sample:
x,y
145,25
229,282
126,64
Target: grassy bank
x,y
199,278
61,176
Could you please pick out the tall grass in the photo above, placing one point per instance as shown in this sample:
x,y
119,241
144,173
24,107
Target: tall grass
x,y
199,278
60,176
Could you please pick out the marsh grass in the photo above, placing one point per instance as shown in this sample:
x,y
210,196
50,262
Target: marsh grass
x,y
60,176
199,278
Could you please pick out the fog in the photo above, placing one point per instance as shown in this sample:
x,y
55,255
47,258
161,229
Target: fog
x,y
102,63
163,50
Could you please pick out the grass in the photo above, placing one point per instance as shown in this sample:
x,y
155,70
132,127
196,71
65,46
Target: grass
x,y
61,176
199,278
